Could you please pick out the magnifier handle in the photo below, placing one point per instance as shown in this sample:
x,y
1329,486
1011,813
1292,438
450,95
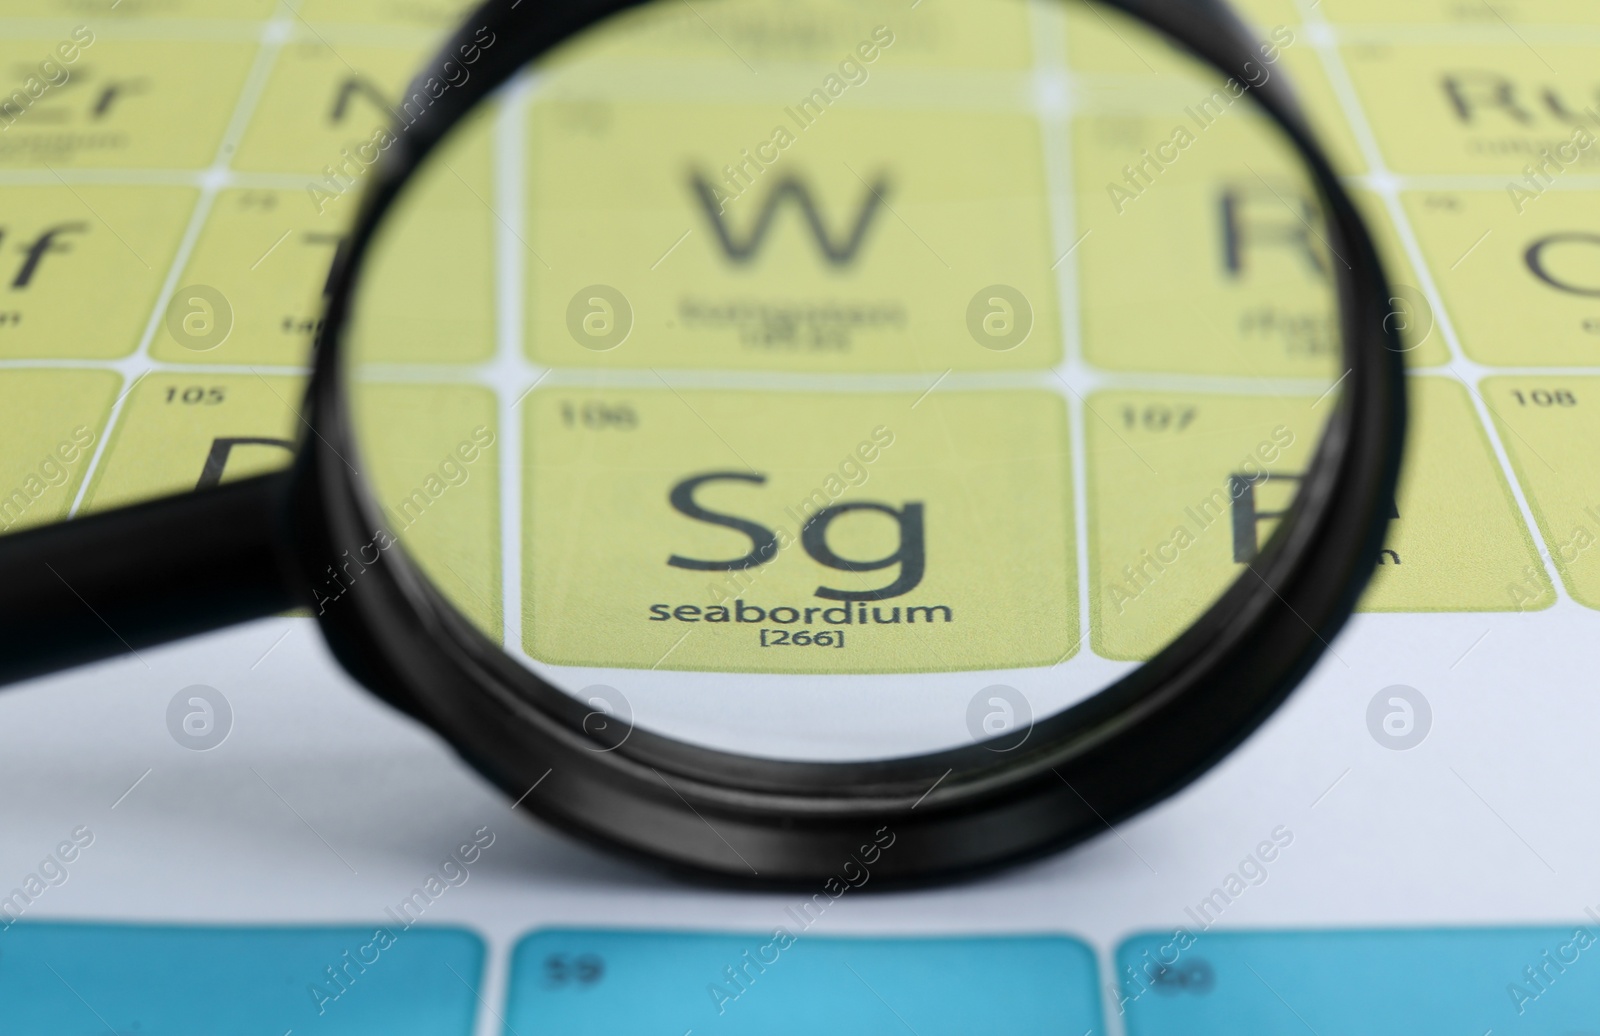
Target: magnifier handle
x,y
112,583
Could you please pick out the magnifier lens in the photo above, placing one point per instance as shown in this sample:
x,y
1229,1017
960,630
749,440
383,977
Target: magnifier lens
x,y
846,381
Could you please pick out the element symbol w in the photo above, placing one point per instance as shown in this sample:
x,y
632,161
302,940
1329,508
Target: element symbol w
x,y
745,251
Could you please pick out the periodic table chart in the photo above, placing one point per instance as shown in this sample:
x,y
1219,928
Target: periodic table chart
x,y
1416,892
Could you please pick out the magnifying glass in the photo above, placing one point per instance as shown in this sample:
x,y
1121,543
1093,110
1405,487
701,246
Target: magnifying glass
x,y
763,436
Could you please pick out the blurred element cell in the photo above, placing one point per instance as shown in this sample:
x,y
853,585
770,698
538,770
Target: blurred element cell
x,y
1498,17
123,104
330,110
1413,315
60,249
1457,541
1456,979
430,15
51,422
96,11
67,977
1518,268
604,980
1551,429
268,253
179,432
1469,108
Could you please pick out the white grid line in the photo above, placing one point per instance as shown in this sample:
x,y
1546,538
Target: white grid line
x,y
511,370
1056,99
136,366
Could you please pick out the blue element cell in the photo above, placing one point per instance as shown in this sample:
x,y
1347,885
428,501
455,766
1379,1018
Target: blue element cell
x,y
1371,983
63,979
785,984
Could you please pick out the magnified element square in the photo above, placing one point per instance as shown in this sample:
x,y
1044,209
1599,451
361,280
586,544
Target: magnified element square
x,y
798,532
803,234
1210,252
1108,50
763,36
1184,491
434,473
429,290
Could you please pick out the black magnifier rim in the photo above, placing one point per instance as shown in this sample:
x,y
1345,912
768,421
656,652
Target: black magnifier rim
x,y
948,814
